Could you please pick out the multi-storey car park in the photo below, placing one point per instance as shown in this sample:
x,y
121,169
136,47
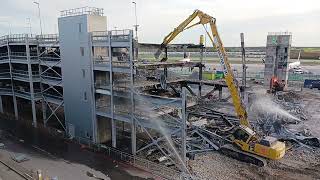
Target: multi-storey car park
x,y
88,82
31,78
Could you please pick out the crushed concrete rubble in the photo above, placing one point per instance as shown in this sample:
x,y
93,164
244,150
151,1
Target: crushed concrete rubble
x,y
290,111
291,124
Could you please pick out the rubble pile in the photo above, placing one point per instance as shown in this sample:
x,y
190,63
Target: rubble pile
x,y
291,102
288,109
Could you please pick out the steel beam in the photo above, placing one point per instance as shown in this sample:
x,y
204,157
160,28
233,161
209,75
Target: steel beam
x,y
184,126
200,70
113,126
133,121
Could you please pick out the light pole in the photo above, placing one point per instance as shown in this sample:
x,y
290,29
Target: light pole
x,y
29,25
136,18
39,15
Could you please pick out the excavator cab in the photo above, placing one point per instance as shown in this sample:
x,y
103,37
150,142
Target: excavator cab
x,y
247,140
242,136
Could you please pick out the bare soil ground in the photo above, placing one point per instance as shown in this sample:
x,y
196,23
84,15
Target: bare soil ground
x,y
300,162
297,164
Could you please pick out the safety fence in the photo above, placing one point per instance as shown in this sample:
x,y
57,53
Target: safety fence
x,y
291,76
149,166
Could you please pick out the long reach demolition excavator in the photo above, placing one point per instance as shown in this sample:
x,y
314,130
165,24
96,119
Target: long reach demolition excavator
x,y
245,144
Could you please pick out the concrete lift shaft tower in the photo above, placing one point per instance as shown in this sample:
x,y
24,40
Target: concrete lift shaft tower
x,y
277,56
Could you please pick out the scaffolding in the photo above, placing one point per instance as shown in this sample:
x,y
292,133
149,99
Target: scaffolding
x,y
82,11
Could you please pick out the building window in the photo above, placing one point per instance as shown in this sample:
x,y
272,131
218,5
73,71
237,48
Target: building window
x,y
82,51
80,27
85,96
83,73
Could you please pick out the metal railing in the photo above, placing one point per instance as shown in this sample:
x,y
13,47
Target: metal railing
x,y
102,84
27,93
101,59
105,108
52,96
154,168
280,33
5,73
50,57
52,76
23,56
4,39
291,76
6,89
120,35
116,35
4,56
44,38
117,61
100,36
23,72
21,38
21,92
82,11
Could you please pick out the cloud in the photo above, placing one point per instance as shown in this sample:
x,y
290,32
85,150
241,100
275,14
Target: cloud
x,y
158,17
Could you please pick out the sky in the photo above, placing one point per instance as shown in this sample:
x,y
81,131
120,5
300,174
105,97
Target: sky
x,y
156,18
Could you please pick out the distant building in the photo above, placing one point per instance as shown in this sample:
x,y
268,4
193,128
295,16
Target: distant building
x,y
277,56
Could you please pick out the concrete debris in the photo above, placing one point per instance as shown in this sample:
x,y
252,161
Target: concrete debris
x,y
293,105
274,124
310,141
20,157
200,123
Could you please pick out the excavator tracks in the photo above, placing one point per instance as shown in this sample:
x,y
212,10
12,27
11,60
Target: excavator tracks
x,y
240,155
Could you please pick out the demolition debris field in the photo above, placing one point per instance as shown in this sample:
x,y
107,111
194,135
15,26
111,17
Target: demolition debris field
x,y
299,129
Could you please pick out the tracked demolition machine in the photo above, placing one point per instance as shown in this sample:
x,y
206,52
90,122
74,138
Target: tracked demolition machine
x,y
241,142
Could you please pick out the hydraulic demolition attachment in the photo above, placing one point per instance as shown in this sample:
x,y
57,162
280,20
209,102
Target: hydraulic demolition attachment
x,y
246,141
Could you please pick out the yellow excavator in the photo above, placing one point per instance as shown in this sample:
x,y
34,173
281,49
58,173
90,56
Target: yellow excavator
x,y
246,144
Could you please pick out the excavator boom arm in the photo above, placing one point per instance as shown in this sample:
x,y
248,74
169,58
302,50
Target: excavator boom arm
x,y
218,45
229,77
204,18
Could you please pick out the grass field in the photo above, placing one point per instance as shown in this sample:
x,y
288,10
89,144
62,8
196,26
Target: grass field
x,y
312,49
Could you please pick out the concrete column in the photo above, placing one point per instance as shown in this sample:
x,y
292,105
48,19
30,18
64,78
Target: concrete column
x,y
93,104
133,120
34,114
1,107
220,93
44,112
33,105
200,71
113,125
15,106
